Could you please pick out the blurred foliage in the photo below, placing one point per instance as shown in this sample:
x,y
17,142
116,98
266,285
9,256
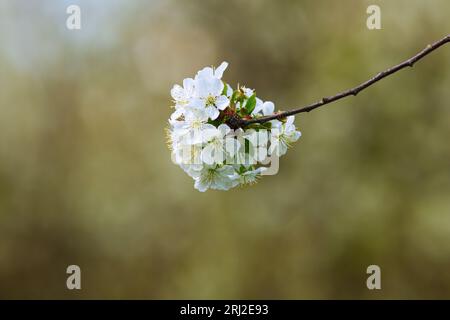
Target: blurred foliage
x,y
86,178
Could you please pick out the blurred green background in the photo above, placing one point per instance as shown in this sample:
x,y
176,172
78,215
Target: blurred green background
x,y
86,177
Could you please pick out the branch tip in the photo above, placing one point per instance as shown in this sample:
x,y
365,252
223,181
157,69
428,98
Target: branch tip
x,y
381,75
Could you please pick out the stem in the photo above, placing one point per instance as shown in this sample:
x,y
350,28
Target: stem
x,y
354,91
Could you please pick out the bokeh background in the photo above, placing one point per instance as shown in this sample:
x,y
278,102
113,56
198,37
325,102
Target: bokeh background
x,y
86,177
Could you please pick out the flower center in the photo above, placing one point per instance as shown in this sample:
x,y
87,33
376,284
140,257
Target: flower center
x,y
209,176
210,101
217,142
196,124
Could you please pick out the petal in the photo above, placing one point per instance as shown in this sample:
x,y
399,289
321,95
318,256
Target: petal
x,y
194,137
296,135
276,124
229,91
261,154
259,106
268,108
207,154
251,135
272,148
205,73
219,155
227,170
194,114
200,185
224,129
176,114
196,103
177,92
290,120
282,149
209,133
188,84
248,92
238,145
208,126
231,146
215,87
218,73
222,102
202,87
212,112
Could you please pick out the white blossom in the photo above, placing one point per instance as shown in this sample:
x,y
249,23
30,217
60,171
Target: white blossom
x,y
216,177
203,144
208,91
182,95
219,145
249,176
283,135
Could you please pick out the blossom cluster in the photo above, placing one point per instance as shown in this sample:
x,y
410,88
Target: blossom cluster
x,y
202,139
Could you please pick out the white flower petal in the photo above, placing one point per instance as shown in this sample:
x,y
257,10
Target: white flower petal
x,y
196,103
276,123
206,72
268,108
248,92
227,170
229,91
290,120
188,85
258,107
224,129
212,112
210,133
218,73
177,92
222,102
176,114
231,146
215,87
200,185
202,87
208,154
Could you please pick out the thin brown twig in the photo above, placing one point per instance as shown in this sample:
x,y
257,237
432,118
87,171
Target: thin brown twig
x,y
351,92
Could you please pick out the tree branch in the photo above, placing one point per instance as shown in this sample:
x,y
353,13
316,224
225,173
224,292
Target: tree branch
x,y
351,92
